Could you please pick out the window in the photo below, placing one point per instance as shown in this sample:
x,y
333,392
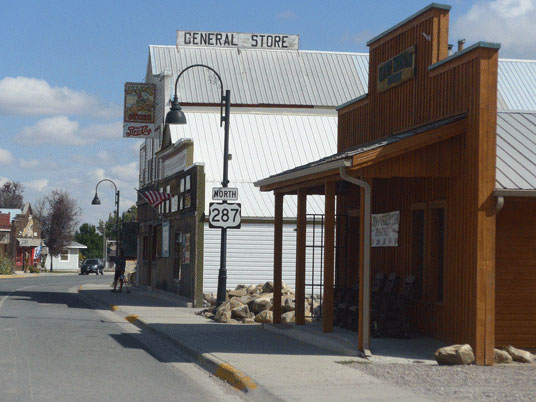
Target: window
x,y
428,249
185,192
64,255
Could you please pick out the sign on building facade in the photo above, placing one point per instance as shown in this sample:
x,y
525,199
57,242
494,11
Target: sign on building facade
x,y
138,119
238,40
397,70
384,229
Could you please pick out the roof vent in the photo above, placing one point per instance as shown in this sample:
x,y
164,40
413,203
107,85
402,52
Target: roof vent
x,y
451,46
461,42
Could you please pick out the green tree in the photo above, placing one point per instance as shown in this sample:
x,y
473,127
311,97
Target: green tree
x,y
88,236
108,228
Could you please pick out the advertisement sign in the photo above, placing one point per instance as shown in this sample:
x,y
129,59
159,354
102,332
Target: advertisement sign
x,y
396,70
384,229
238,40
138,119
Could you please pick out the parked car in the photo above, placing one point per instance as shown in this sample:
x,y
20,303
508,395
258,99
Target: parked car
x,y
92,265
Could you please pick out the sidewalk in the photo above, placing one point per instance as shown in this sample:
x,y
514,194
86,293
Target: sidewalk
x,y
266,365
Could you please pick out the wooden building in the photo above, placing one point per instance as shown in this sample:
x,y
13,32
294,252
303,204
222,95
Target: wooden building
x,y
423,142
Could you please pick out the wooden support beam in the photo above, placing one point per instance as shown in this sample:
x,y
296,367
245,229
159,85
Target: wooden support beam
x,y
300,257
278,256
329,238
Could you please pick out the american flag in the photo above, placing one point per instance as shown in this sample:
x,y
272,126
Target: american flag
x,y
155,198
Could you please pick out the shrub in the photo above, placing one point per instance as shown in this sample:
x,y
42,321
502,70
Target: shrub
x,y
5,265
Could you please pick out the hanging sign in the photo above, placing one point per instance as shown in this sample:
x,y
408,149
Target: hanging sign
x,y
397,69
384,229
238,40
138,120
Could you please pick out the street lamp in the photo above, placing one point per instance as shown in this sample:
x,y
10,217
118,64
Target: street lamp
x,y
96,201
176,116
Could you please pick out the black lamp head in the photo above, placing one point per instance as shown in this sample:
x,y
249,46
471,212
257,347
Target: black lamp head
x,y
96,200
175,114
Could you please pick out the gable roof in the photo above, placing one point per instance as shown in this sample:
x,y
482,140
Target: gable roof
x,y
264,77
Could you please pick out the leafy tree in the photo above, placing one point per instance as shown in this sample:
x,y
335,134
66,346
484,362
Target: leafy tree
x,y
11,195
108,228
58,214
88,236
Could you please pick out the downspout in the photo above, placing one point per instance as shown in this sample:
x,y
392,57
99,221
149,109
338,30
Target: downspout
x,y
499,204
366,258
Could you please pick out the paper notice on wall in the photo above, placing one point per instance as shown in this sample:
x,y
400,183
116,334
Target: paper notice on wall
x,y
384,229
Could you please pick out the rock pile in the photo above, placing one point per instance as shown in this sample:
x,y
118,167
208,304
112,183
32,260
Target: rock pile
x,y
254,303
463,354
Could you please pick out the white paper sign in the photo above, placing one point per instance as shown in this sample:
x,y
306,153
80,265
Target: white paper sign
x,y
384,229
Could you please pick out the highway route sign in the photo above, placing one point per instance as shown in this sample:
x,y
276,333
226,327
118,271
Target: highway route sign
x,y
224,215
225,193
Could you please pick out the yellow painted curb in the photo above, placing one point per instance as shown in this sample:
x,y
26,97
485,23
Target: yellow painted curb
x,y
13,276
131,318
235,377
113,308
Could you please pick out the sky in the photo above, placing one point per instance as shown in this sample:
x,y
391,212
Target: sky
x,y
63,65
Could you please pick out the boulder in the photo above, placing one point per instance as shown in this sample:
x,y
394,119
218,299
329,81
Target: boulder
x,y
210,316
240,312
234,303
245,299
289,304
238,287
285,289
519,355
249,320
222,315
502,357
288,318
238,292
268,287
265,317
252,289
454,354
269,296
261,304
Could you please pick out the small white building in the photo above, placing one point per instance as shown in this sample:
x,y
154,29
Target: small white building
x,y
68,260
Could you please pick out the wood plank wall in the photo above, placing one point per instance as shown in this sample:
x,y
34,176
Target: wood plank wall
x,y
516,273
466,84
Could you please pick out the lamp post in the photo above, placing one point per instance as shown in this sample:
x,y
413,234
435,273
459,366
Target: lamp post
x,y
96,201
176,116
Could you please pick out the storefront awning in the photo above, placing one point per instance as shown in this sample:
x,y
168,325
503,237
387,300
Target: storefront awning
x,y
29,242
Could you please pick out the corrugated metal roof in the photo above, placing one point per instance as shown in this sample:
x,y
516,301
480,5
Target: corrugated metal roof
x,y
261,144
265,77
516,151
517,85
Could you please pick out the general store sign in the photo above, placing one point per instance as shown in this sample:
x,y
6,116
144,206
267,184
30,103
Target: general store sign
x,y
238,40
138,120
397,69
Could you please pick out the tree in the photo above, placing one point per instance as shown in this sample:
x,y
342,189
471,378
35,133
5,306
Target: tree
x,y
11,195
108,228
58,214
88,236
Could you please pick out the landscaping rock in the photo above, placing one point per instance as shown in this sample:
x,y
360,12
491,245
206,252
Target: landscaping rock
x,y
519,355
252,289
265,317
288,318
234,303
261,304
502,357
289,304
238,292
286,290
454,354
268,287
240,312
249,320
222,316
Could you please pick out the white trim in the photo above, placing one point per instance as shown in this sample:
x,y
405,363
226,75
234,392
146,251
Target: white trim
x,y
499,192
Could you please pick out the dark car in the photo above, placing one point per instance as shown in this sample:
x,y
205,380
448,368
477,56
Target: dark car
x,y
92,265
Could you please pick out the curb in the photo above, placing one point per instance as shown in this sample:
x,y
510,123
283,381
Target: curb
x,y
207,361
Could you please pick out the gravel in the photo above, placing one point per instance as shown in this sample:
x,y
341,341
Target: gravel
x,y
513,382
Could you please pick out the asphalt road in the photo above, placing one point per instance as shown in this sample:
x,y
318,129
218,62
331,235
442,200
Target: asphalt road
x,y
53,347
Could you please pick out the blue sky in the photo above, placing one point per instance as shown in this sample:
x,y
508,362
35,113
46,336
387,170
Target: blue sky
x,y
64,64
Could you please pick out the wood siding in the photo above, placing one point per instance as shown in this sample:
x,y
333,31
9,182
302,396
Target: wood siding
x,y
464,84
515,315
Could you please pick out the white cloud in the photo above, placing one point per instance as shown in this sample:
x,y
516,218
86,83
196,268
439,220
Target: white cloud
x,y
135,147
3,180
104,156
28,163
128,172
508,22
36,185
34,97
6,157
60,130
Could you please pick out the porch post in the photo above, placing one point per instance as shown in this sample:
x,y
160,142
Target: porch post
x,y
300,257
329,223
278,256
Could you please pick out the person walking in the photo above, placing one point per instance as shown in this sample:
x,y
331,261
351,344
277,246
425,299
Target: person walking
x,y
119,271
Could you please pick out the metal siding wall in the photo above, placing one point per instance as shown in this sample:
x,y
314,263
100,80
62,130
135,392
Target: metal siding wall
x,y
250,255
